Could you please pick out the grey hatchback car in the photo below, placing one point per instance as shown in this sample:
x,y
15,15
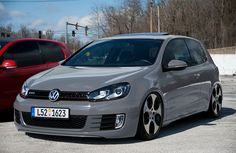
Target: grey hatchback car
x,y
121,86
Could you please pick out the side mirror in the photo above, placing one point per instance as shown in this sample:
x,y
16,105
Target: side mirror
x,y
176,65
8,64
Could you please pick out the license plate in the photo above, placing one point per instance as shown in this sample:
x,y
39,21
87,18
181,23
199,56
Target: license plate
x,y
60,113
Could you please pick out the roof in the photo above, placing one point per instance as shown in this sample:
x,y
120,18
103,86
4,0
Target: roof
x,y
27,39
144,34
38,39
148,35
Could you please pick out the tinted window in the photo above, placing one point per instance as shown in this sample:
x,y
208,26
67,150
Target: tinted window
x,y
51,52
118,52
176,50
197,53
24,53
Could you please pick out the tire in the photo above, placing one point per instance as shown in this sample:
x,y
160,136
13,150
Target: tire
x,y
216,99
151,117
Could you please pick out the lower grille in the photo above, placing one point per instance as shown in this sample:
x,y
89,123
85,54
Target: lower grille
x,y
108,122
17,116
74,122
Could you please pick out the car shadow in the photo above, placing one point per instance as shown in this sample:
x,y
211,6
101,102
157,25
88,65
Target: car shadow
x,y
201,119
6,115
173,128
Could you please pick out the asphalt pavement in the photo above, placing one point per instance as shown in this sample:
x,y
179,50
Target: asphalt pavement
x,y
195,134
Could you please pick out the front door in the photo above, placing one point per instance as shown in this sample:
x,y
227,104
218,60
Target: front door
x,y
180,87
29,62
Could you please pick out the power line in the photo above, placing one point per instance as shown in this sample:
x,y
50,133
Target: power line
x,y
33,1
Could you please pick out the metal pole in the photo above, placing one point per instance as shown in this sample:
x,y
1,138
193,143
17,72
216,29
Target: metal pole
x,y
151,5
158,18
66,35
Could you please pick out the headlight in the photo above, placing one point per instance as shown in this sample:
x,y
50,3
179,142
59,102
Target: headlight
x,y
24,90
111,92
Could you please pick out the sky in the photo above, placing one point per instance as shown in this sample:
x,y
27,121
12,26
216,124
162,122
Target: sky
x,y
49,14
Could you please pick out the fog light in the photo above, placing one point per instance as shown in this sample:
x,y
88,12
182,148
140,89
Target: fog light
x,y
120,120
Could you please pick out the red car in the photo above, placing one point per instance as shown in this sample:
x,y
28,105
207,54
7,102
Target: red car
x,y
22,58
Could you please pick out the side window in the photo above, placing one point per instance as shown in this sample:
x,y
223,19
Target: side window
x,y
51,52
24,53
176,50
197,53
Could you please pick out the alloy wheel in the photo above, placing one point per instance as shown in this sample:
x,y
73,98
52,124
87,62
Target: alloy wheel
x,y
152,114
216,100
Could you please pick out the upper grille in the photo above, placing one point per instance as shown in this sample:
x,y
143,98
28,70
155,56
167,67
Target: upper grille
x,y
64,95
74,122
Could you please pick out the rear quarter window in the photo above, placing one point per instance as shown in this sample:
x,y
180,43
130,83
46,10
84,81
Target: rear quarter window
x,y
51,52
196,51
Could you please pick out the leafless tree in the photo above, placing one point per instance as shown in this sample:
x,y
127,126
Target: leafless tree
x,y
212,21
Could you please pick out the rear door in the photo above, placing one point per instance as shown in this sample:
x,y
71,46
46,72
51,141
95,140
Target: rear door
x,y
29,62
51,52
180,87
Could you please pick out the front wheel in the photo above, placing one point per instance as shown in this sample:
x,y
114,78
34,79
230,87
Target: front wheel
x,y
215,106
151,117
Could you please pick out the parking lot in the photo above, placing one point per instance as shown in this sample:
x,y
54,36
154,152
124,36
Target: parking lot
x,y
193,134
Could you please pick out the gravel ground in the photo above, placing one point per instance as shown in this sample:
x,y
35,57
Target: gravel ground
x,y
193,134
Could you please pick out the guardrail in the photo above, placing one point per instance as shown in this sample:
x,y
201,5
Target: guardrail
x,y
225,50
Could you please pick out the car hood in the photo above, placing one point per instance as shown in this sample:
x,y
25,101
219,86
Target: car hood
x,y
67,78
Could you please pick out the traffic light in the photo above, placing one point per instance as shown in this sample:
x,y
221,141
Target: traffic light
x,y
73,33
40,34
86,31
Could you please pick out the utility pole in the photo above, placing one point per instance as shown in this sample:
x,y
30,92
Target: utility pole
x,y
151,7
66,36
158,19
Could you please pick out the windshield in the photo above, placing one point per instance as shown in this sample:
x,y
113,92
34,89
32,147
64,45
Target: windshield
x,y
117,53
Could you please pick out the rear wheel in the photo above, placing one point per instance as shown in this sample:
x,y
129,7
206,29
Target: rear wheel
x,y
151,117
215,106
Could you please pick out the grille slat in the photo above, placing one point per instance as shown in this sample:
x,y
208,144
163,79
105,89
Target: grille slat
x,y
108,122
64,95
74,122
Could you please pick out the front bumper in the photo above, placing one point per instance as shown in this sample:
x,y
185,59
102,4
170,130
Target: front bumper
x,y
93,111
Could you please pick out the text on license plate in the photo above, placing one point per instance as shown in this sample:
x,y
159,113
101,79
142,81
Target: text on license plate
x,y
50,112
